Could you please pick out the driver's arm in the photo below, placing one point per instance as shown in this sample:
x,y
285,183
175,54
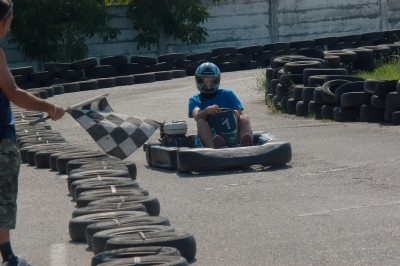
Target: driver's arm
x,y
210,110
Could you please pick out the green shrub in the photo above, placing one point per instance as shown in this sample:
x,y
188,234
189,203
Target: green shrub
x,y
56,30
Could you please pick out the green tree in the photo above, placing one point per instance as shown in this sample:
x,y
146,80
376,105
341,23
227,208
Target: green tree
x,y
57,30
178,19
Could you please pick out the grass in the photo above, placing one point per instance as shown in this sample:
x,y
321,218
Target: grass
x,y
261,83
116,2
389,71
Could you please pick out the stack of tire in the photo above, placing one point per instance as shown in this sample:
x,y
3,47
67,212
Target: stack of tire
x,y
117,218
111,71
312,82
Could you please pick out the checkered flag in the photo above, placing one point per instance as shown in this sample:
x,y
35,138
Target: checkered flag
x,y
118,135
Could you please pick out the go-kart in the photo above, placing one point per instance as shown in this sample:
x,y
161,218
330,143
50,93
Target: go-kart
x,y
176,151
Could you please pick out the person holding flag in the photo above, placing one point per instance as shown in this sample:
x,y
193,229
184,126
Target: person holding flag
x,y
9,154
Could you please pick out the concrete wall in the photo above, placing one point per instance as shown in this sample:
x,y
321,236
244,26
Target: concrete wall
x,y
247,22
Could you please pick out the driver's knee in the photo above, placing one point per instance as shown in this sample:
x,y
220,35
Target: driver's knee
x,y
244,119
202,123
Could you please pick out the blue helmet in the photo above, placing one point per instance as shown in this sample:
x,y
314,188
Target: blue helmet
x,y
207,71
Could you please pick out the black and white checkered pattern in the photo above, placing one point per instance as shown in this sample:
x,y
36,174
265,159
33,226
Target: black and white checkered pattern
x,y
118,135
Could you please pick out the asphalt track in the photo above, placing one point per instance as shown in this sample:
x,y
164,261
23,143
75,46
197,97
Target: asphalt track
x,y
336,203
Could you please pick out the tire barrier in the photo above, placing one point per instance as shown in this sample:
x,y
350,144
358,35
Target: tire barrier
x,y
110,203
327,92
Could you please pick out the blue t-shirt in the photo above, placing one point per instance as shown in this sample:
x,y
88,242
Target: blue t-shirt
x,y
7,120
224,98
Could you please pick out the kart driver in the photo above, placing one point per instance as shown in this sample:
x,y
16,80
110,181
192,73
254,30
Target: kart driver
x,y
208,102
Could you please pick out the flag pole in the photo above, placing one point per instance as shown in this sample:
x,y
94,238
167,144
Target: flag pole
x,y
69,108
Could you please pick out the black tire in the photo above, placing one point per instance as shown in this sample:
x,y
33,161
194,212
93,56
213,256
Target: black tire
x,y
284,101
297,92
297,67
328,90
144,78
123,222
124,80
276,101
347,57
71,75
115,254
123,206
311,52
378,102
99,239
151,203
145,60
84,63
396,118
321,71
307,94
183,241
149,260
21,70
333,61
289,80
252,49
392,102
282,91
95,173
89,196
327,111
71,87
102,71
42,158
88,85
342,114
163,75
28,152
350,38
171,57
278,46
371,114
302,44
357,86
291,106
31,159
326,40
115,60
230,67
77,225
132,68
205,159
178,73
314,109
58,89
200,56
106,82
163,66
102,163
354,99
95,183
61,161
223,51
301,108
56,67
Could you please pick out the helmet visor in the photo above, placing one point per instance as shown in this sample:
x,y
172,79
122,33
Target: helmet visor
x,y
208,83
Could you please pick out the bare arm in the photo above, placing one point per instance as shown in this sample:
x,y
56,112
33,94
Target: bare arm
x,y
210,110
22,98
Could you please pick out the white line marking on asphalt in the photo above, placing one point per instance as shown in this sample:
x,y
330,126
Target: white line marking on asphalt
x,y
325,212
58,255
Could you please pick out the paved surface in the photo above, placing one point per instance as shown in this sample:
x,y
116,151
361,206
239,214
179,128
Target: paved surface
x,y
336,203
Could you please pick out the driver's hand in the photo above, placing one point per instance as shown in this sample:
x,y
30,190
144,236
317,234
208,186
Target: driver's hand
x,y
213,109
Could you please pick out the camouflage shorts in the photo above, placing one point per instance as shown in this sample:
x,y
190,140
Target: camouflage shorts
x,y
9,170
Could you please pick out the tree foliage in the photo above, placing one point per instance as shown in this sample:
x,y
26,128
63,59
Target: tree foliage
x,y
56,30
179,19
